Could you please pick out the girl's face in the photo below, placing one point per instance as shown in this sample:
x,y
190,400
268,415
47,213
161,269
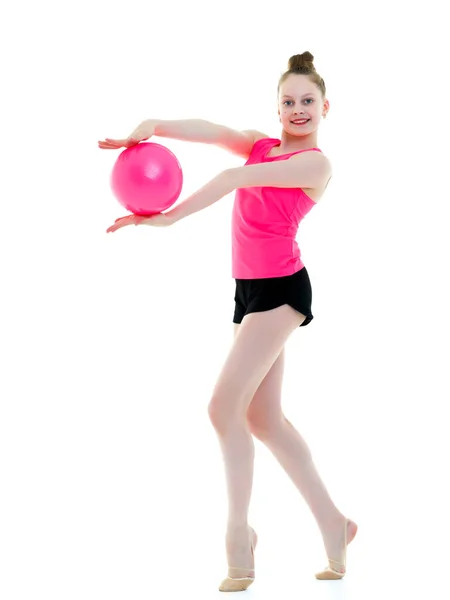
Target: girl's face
x,y
299,99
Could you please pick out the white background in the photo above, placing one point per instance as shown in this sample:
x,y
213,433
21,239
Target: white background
x,y
112,483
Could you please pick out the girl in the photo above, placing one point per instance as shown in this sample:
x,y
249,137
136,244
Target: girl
x,y
279,184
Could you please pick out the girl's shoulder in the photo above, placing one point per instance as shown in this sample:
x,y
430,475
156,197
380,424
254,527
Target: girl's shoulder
x,y
262,143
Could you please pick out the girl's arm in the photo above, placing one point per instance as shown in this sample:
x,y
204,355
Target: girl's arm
x,y
306,170
198,130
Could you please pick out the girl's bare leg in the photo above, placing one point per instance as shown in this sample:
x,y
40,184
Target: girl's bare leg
x,y
260,339
267,423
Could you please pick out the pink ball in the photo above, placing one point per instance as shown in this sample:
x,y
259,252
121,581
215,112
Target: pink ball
x,y
146,178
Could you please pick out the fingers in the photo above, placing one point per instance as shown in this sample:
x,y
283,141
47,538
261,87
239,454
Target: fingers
x,y
124,221
115,227
110,144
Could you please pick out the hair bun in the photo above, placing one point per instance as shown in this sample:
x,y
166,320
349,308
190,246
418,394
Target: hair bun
x,y
303,64
300,61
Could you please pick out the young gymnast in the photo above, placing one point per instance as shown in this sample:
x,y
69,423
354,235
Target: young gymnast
x,y
279,184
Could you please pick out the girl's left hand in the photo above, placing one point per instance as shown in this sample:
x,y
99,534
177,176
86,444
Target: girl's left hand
x,y
158,220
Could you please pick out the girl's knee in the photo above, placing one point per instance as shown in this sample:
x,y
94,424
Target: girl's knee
x,y
216,413
265,428
222,415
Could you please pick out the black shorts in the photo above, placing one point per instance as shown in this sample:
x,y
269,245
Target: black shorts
x,y
257,295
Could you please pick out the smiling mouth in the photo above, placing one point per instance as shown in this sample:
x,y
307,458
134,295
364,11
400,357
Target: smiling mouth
x,y
300,121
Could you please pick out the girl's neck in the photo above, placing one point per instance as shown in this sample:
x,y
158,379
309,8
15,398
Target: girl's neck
x,y
292,143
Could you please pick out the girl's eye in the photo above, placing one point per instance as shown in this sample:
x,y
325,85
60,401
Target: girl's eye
x,y
289,102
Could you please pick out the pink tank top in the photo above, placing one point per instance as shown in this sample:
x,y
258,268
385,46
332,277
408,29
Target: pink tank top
x,y
265,222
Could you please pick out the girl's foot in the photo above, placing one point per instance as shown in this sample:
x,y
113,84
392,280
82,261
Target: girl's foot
x,y
336,539
240,545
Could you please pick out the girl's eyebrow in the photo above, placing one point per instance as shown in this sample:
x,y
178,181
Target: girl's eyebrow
x,y
308,94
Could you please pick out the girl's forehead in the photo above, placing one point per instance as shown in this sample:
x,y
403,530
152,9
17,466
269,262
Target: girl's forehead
x,y
297,86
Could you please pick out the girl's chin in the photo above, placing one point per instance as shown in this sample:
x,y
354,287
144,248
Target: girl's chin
x,y
297,132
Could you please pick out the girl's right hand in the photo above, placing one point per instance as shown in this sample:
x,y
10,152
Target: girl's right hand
x,y
144,131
